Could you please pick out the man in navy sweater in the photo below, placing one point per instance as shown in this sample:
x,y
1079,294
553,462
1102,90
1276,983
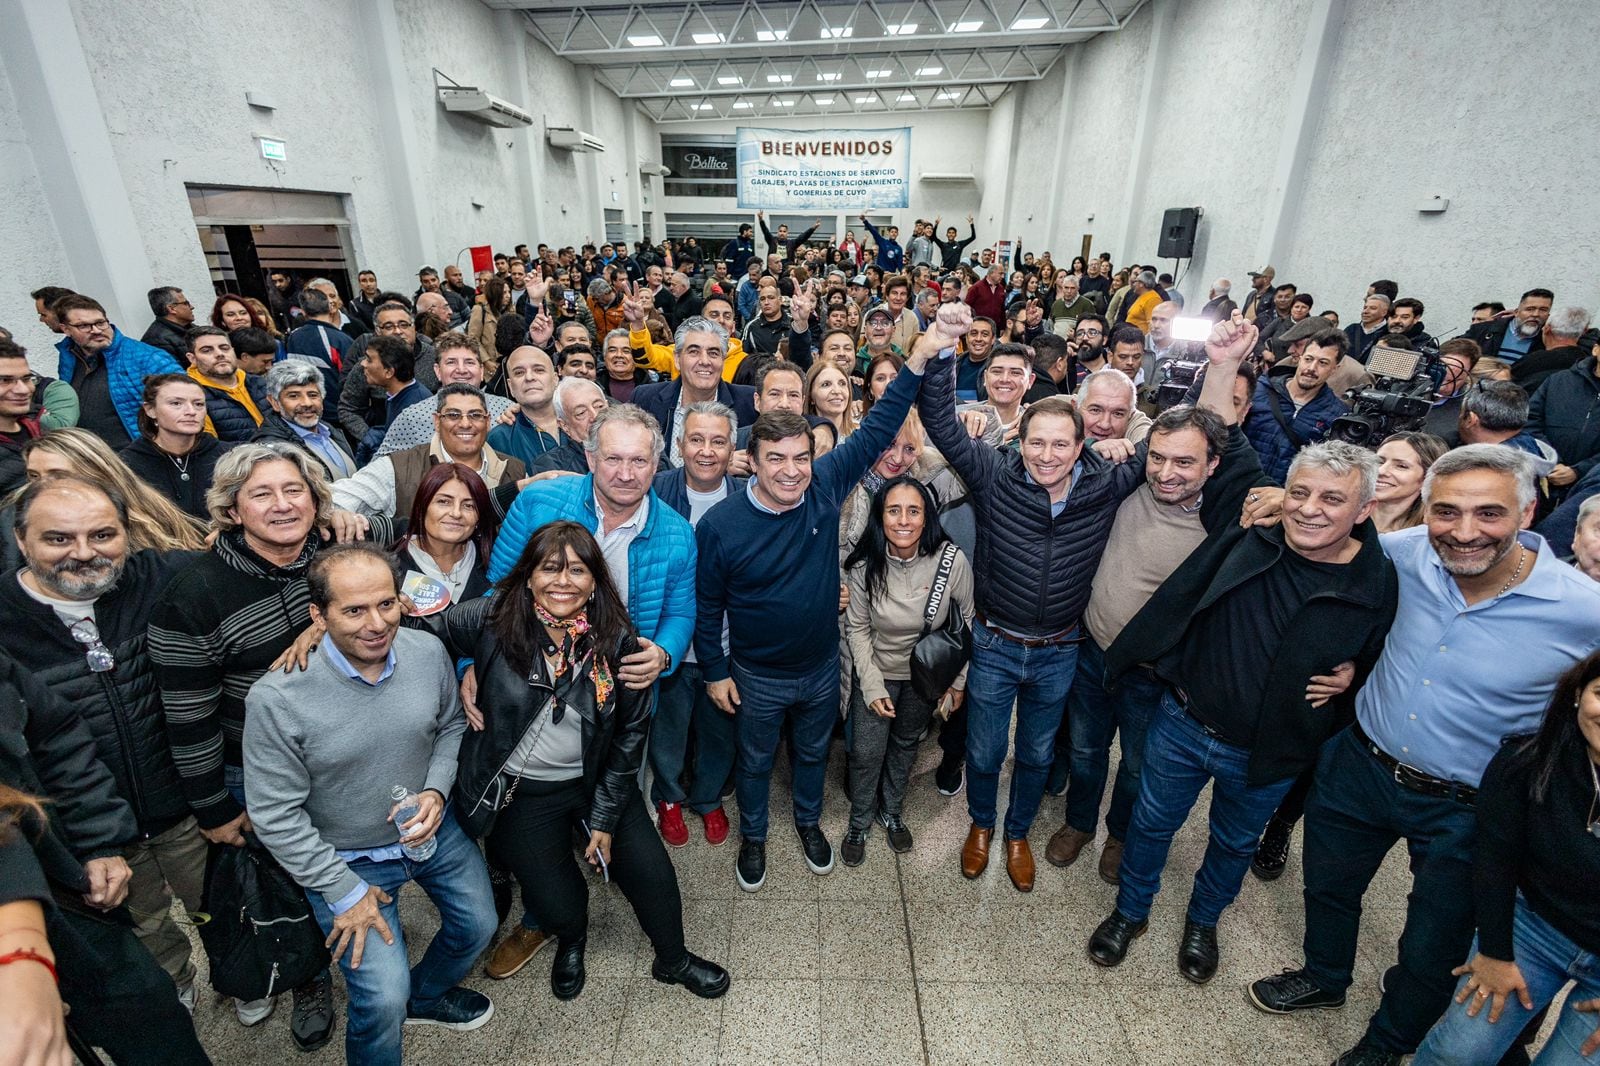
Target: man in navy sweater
x,y
769,559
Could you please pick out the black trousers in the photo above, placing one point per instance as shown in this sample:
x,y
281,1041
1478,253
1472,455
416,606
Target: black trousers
x,y
120,998
532,838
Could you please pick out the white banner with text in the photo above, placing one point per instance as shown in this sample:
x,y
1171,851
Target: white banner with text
x,y
824,170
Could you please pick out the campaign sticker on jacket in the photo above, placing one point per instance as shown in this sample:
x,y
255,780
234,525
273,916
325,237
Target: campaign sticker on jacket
x,y
428,594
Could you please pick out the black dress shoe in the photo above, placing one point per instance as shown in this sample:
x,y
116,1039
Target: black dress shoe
x,y
1364,1054
567,976
1109,943
705,979
1197,952
1272,853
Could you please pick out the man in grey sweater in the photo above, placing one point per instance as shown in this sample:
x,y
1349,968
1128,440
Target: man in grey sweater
x,y
376,706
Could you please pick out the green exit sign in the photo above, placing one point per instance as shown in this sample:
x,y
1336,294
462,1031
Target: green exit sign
x,y
274,150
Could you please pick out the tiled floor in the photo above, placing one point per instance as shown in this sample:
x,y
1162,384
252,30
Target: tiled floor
x,y
897,961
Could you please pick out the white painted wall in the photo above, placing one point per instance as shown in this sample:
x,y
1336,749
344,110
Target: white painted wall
x,y
170,79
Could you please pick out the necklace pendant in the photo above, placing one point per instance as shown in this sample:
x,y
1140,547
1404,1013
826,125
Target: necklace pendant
x,y
183,475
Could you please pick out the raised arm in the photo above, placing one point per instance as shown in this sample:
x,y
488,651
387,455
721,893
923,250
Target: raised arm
x,y
976,463
1231,340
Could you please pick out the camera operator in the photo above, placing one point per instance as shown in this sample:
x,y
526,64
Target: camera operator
x,y
1457,357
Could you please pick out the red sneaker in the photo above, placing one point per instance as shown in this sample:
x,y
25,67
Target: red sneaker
x,y
670,821
716,827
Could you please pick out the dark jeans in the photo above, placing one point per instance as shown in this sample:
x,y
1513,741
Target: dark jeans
x,y
882,751
1180,758
120,998
1094,715
1036,680
387,987
812,702
533,838
1356,813
682,707
1293,807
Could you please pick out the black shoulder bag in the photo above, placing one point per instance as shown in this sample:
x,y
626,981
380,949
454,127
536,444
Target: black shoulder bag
x,y
940,653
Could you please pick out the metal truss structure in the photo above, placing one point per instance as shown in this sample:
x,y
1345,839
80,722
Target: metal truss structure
x,y
760,58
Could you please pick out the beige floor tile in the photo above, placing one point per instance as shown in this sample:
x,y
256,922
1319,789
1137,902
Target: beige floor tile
x,y
773,1023
865,940
870,1022
775,938
667,1026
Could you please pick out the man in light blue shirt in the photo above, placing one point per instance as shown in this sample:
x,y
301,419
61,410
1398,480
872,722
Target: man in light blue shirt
x,y
1488,620
294,391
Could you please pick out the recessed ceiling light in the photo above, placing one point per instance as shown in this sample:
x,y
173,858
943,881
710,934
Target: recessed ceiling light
x,y
775,79
964,27
838,31
741,105
1030,24
906,98
785,103
728,79
830,76
824,100
681,83
879,73
902,29
709,38
865,99
949,96
646,40
702,107
772,35
929,72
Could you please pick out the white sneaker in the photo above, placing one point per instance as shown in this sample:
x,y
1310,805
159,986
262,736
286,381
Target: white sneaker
x,y
255,1011
186,997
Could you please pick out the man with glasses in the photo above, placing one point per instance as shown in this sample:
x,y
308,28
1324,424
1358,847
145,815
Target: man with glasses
x,y
457,363
78,612
1086,351
362,405
388,485
174,315
18,425
106,369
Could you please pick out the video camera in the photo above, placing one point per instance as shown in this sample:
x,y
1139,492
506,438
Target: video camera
x,y
1398,401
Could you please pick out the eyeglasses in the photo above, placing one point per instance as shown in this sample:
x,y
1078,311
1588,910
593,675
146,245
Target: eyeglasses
x,y
85,632
454,417
393,327
8,380
89,327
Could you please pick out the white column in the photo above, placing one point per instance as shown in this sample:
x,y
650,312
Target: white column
x,y
1058,163
527,140
1299,126
1155,64
633,183
412,221
585,213
66,131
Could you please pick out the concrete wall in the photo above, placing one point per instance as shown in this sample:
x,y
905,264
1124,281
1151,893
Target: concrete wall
x,y
164,86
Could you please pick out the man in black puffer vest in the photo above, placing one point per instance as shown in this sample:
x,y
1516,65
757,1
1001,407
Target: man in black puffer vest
x,y
79,610
1044,512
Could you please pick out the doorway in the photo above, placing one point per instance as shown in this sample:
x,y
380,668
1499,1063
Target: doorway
x,y
248,234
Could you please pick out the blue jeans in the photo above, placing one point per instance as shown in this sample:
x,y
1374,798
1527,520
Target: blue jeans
x,y
386,987
764,702
1037,680
1093,716
1354,816
1179,759
684,706
1548,960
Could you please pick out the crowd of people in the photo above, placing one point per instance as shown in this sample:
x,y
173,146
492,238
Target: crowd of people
x,y
484,586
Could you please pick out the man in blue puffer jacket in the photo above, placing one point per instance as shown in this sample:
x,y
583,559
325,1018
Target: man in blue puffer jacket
x,y
106,368
648,545
1289,412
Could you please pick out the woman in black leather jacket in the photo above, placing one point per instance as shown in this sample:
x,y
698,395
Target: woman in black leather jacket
x,y
556,744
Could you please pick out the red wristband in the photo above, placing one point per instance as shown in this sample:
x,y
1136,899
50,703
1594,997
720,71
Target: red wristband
x,y
31,955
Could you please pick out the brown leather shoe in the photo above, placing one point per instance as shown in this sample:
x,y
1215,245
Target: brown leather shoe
x,y
1064,847
975,852
1111,861
513,953
1019,864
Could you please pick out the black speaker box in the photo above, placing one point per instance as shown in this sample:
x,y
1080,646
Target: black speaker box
x,y
1177,233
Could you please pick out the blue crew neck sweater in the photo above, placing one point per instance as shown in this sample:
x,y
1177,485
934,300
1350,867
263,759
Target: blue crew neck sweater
x,y
777,575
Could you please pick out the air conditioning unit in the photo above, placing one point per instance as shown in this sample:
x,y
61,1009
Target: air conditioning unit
x,y
654,170
574,140
488,109
946,178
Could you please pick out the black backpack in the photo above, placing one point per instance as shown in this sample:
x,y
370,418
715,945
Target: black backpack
x,y
260,937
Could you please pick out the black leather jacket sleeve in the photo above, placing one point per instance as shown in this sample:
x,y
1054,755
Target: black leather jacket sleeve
x,y
618,774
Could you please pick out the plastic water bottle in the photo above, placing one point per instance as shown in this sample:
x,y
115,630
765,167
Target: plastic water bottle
x,y
408,806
